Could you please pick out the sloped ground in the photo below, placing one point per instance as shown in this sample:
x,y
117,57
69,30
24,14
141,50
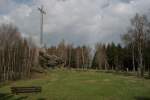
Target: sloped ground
x,y
82,85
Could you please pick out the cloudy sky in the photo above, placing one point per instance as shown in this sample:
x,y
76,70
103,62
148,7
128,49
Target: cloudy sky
x,y
76,21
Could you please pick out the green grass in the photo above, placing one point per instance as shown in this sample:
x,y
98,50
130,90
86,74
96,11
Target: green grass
x,y
82,85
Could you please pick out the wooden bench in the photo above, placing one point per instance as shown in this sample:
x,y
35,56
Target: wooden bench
x,y
17,90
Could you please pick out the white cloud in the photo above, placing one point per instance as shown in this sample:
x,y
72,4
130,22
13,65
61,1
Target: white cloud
x,y
78,21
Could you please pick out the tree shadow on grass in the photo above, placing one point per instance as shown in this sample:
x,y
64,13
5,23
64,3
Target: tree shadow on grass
x,y
7,96
41,99
147,77
142,98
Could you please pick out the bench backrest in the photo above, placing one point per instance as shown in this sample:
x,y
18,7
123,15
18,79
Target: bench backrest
x,y
25,89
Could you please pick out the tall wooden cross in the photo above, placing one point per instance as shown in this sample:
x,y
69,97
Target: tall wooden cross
x,y
41,27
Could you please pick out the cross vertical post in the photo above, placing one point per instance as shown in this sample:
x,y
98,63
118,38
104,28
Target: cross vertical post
x,y
41,27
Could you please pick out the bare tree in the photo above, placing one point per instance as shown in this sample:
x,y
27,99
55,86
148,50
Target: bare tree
x,y
16,57
62,52
138,23
9,35
129,39
135,37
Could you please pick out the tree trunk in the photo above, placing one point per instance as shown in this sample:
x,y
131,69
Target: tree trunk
x,y
83,58
141,67
133,59
69,57
148,70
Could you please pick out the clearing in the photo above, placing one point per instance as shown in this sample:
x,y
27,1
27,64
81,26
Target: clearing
x,y
81,85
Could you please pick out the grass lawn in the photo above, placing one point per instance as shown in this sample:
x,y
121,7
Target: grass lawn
x,y
82,85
